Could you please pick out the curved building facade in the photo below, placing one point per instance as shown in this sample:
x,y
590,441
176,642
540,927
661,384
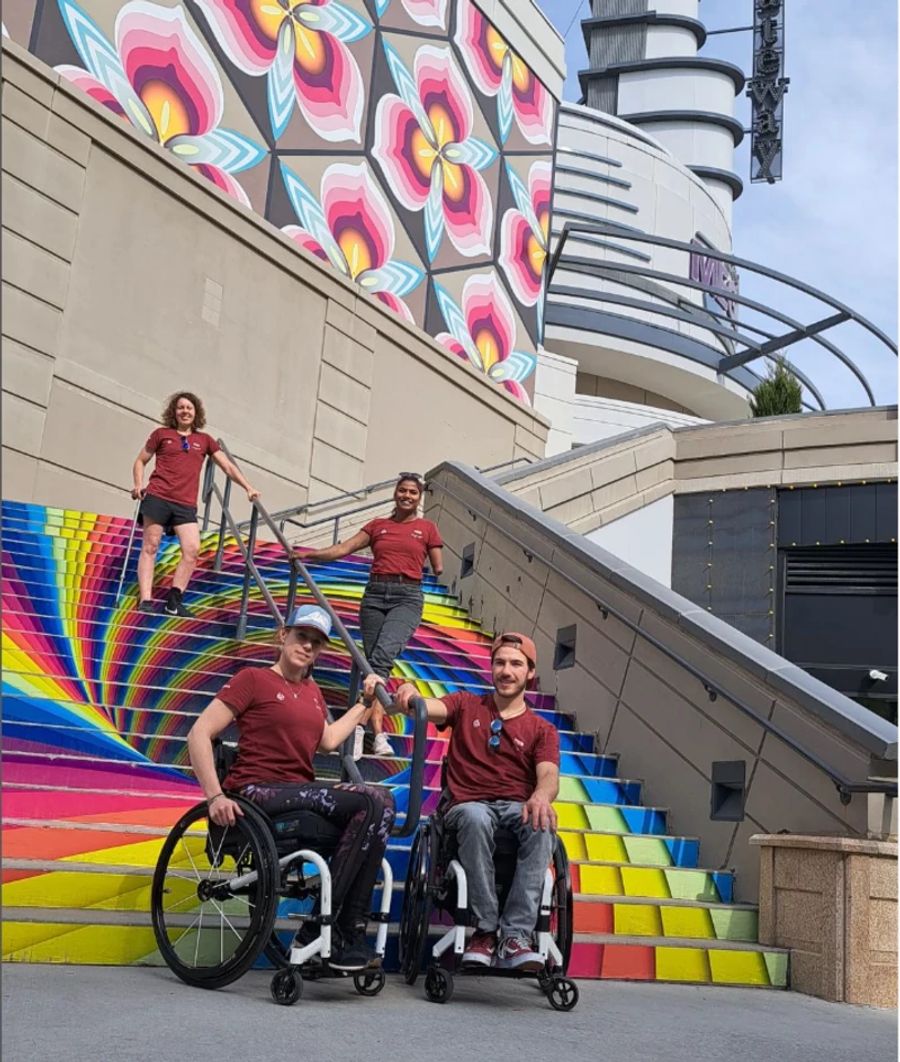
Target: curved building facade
x,y
609,364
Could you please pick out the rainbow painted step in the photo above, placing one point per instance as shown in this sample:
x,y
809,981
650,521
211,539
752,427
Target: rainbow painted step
x,y
97,702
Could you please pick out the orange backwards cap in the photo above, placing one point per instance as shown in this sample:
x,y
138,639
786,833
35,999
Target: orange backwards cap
x,y
516,641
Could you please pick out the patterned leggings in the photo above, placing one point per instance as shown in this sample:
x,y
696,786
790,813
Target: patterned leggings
x,y
365,814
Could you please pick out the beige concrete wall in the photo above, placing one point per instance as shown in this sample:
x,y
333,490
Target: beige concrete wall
x,y
534,575
126,276
601,483
833,902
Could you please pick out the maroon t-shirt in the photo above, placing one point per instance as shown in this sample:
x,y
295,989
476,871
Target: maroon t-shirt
x,y
280,725
176,474
400,548
474,771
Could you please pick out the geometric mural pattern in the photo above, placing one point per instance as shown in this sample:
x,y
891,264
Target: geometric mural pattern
x,y
98,699
401,141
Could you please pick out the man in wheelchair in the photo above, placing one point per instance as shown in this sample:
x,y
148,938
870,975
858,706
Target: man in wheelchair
x,y
282,720
502,771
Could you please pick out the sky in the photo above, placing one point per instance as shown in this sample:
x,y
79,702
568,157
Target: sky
x,y
832,220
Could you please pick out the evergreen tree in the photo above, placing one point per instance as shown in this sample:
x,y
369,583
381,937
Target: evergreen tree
x,y
779,393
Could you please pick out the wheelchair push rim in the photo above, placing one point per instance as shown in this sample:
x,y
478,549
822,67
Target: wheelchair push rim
x,y
214,896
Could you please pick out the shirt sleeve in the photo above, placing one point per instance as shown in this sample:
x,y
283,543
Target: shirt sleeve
x,y
369,529
434,536
546,748
453,702
152,443
239,691
212,447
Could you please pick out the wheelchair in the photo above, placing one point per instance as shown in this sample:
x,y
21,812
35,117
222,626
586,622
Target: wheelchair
x,y
436,886
216,894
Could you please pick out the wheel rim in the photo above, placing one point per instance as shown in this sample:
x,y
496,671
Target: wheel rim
x,y
416,911
206,930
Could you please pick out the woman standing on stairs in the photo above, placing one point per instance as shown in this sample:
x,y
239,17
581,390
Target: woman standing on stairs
x,y
391,607
169,502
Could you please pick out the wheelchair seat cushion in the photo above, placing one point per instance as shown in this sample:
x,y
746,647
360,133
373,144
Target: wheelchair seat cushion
x,y
506,844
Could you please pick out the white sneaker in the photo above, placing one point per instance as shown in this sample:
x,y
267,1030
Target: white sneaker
x,y
381,746
358,743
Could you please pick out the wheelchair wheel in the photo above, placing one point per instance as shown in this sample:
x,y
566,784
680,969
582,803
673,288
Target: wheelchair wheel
x,y
209,921
417,903
369,984
562,993
561,907
286,987
438,984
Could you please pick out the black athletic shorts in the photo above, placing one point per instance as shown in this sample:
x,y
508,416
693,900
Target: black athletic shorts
x,y
169,514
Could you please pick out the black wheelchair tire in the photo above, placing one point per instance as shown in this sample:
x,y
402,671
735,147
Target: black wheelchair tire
x,y
561,905
286,987
562,993
369,983
415,915
438,984
258,852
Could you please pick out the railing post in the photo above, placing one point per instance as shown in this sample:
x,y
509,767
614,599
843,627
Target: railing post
x,y
220,549
347,747
292,592
334,536
245,588
207,493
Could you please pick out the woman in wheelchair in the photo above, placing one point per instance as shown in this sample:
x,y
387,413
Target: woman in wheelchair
x,y
502,777
282,720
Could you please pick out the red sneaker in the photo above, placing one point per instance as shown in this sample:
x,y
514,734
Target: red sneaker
x,y
517,953
480,949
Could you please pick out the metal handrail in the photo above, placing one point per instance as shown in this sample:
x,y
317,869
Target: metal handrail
x,y
286,516
844,786
360,666
752,349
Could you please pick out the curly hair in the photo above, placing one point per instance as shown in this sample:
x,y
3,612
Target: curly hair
x,y
168,414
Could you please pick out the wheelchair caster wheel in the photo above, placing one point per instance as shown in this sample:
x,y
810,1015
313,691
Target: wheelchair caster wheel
x,y
287,987
562,993
369,984
438,984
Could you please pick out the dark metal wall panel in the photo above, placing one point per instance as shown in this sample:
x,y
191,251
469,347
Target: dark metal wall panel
x,y
835,515
723,557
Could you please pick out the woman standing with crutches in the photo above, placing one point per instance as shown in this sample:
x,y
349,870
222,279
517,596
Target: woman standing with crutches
x,y
391,607
170,501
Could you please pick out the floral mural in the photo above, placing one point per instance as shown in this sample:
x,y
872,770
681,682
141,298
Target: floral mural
x,y
404,142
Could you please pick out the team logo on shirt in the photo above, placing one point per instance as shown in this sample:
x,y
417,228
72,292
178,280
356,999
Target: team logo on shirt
x,y
416,534
476,722
279,696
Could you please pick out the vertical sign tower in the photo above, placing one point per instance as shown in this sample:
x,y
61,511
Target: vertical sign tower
x,y
766,89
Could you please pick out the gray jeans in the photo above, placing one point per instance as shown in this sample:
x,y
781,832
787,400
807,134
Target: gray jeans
x,y
475,823
388,616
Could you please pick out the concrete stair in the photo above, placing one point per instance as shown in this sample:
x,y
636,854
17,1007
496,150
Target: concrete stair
x,y
98,700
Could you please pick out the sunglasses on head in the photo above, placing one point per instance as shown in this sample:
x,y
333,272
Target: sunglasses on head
x,y
410,475
494,739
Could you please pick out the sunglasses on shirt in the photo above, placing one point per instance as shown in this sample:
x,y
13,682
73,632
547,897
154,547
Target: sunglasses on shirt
x,y
494,739
185,443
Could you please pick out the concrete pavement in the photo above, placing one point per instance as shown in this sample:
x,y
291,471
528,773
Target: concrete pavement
x,y
103,1014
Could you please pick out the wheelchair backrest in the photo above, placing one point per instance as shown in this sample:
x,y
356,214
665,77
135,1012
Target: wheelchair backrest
x,y
224,757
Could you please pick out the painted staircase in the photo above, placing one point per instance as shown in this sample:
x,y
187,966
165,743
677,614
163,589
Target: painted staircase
x,y
98,700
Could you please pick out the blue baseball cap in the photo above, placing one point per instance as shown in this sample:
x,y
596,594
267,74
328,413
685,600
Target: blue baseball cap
x,y
311,616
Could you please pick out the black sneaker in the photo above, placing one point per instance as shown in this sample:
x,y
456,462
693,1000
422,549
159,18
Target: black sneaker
x,y
174,604
146,607
351,953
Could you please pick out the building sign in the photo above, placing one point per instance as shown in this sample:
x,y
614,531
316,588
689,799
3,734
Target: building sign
x,y
766,89
718,279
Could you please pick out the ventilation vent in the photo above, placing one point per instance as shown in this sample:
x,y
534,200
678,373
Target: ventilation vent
x,y
841,569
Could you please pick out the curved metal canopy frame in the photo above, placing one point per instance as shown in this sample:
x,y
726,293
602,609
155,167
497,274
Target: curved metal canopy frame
x,y
715,323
